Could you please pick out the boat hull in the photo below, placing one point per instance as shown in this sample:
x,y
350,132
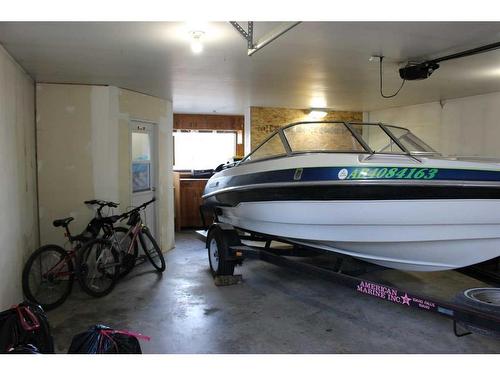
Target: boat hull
x,y
416,235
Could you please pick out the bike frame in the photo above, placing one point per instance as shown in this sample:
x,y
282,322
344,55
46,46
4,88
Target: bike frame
x,y
71,255
134,230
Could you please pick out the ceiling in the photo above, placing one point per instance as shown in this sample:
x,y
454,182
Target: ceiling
x,y
316,64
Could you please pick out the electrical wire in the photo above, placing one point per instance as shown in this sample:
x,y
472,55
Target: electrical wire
x,y
382,86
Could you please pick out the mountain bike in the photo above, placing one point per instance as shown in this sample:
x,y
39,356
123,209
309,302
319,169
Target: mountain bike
x,y
49,273
138,230
127,245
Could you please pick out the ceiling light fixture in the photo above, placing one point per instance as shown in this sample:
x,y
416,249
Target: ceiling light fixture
x,y
317,113
196,45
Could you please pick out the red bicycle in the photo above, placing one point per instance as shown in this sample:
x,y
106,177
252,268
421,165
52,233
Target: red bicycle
x,y
50,271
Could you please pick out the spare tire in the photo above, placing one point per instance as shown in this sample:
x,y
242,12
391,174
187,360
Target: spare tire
x,y
486,300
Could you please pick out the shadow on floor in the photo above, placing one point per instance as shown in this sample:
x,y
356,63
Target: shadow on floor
x,y
274,310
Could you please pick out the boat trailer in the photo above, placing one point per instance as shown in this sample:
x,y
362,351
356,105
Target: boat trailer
x,y
232,251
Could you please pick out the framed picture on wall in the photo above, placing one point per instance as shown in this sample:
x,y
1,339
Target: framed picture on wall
x,y
141,177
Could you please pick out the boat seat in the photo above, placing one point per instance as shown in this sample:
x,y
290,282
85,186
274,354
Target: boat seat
x,y
62,222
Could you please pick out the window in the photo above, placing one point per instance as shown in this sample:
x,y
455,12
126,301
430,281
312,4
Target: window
x,y
339,137
272,147
410,141
141,162
378,140
333,137
203,150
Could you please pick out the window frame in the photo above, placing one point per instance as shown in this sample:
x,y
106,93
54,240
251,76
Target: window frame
x,y
235,132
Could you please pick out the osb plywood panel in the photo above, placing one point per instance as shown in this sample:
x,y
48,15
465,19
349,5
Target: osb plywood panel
x,y
265,120
328,137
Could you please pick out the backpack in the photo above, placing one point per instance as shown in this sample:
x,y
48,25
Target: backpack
x,y
100,339
24,349
25,325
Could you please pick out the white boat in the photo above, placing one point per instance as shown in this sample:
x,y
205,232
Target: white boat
x,y
371,191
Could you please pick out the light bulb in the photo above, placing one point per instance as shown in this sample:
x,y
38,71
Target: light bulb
x,y
317,114
196,45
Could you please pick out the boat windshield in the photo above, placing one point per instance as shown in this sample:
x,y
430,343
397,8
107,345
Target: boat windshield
x,y
410,141
341,137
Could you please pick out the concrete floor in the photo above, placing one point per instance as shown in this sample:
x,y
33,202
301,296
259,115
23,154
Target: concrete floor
x,y
274,310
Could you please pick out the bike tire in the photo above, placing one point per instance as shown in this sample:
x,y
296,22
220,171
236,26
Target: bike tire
x,y
64,292
90,263
154,254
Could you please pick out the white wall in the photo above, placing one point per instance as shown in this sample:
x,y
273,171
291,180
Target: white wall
x,y
18,212
84,153
467,126
136,106
247,129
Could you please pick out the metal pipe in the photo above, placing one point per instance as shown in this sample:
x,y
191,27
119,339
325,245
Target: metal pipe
x,y
469,52
240,30
250,35
273,35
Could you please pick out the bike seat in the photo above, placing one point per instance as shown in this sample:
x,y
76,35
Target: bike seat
x,y
62,222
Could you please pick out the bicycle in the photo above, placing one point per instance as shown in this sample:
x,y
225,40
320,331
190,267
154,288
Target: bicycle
x,y
49,273
140,231
137,232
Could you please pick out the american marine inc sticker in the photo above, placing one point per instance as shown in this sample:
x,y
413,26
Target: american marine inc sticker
x,y
393,295
383,292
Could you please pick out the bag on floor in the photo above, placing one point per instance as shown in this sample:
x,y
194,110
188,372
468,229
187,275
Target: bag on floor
x,y
25,325
100,339
24,349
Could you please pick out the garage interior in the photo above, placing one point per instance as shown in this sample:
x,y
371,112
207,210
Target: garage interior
x,y
76,99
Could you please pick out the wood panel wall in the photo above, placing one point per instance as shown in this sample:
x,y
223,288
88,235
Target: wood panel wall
x,y
208,122
190,202
265,120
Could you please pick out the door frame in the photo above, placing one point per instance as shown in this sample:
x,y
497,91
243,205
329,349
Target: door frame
x,y
133,124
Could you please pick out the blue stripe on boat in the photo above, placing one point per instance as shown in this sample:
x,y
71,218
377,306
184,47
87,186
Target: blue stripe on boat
x,y
332,174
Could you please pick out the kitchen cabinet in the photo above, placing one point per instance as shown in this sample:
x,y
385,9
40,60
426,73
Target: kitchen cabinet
x,y
190,192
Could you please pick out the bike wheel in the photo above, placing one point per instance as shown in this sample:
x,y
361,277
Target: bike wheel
x,y
48,276
151,249
98,267
127,259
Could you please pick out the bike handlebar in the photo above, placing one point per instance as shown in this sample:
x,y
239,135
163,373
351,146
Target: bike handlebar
x,y
114,218
148,202
101,203
138,208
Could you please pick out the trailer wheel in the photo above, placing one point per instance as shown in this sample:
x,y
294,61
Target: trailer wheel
x,y
482,299
218,243
485,300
